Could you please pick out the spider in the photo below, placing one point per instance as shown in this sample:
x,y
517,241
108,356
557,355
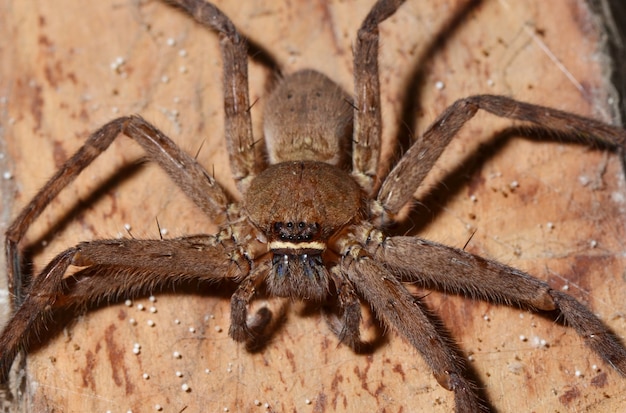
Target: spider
x,y
331,248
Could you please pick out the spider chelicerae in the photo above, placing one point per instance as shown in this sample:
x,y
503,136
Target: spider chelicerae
x,y
331,247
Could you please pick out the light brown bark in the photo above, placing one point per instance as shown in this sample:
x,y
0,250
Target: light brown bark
x,y
552,209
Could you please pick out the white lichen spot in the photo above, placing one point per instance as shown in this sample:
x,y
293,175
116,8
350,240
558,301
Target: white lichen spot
x,y
538,342
170,41
158,407
165,79
182,53
132,321
515,367
117,63
128,303
584,180
192,330
153,309
127,227
152,299
523,337
565,287
146,376
578,373
207,371
177,355
218,329
150,323
617,197
179,374
140,307
593,243
550,226
439,85
490,82
473,198
7,175
185,387
307,401
514,185
177,321
183,69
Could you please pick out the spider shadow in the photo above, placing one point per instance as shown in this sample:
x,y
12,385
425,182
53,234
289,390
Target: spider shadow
x,y
419,217
434,201
73,213
467,171
412,103
70,215
66,317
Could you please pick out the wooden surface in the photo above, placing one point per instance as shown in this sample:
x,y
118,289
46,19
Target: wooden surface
x,y
552,209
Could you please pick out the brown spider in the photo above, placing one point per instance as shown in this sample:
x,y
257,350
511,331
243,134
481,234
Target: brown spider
x,y
330,248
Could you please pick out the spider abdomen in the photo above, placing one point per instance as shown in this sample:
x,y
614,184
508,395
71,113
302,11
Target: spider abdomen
x,y
308,117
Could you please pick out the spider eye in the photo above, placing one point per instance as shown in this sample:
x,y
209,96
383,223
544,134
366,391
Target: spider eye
x,y
300,231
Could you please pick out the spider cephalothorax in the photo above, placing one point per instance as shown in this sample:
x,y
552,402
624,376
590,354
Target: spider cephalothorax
x,y
299,240
311,225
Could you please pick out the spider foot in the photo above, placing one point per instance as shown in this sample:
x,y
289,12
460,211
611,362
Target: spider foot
x,y
243,330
